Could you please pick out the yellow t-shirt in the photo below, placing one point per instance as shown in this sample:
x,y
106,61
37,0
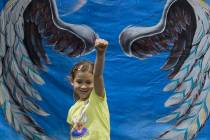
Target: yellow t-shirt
x,y
94,116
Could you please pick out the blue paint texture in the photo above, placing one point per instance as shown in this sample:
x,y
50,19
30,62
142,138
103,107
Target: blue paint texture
x,y
134,87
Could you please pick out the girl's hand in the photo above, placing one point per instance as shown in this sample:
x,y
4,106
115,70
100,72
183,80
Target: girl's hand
x,y
101,45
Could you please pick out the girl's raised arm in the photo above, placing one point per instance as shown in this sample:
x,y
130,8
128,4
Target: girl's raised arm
x,y
100,46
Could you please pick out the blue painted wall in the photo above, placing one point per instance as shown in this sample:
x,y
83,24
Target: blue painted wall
x,y
134,88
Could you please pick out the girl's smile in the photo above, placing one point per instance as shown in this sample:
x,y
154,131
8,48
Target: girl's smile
x,y
83,84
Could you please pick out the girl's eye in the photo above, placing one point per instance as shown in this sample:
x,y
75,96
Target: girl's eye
x,y
88,82
79,81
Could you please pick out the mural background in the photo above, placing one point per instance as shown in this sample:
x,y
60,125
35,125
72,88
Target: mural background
x,y
134,88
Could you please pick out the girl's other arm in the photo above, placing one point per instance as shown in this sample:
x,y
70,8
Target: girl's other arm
x,y
100,46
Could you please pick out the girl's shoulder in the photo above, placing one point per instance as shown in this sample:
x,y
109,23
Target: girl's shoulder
x,y
76,105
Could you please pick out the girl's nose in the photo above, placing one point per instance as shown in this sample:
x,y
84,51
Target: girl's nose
x,y
83,86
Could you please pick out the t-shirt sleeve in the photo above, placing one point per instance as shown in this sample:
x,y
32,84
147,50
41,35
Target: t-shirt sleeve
x,y
95,98
69,117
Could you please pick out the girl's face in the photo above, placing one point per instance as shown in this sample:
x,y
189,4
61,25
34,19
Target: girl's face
x,y
83,84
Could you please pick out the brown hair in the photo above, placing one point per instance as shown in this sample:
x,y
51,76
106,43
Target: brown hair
x,y
83,66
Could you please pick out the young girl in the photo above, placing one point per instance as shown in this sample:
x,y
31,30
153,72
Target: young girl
x,y
89,116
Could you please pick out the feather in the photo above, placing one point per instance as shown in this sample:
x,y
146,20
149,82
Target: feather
x,y
205,62
18,28
2,45
10,34
176,53
199,33
203,46
2,22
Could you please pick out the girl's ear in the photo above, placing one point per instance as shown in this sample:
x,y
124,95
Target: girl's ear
x,y
72,81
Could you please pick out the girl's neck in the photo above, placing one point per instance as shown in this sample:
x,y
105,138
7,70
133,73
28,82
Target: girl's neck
x,y
83,99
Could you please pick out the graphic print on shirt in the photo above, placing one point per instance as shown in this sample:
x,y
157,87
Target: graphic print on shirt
x,y
79,130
